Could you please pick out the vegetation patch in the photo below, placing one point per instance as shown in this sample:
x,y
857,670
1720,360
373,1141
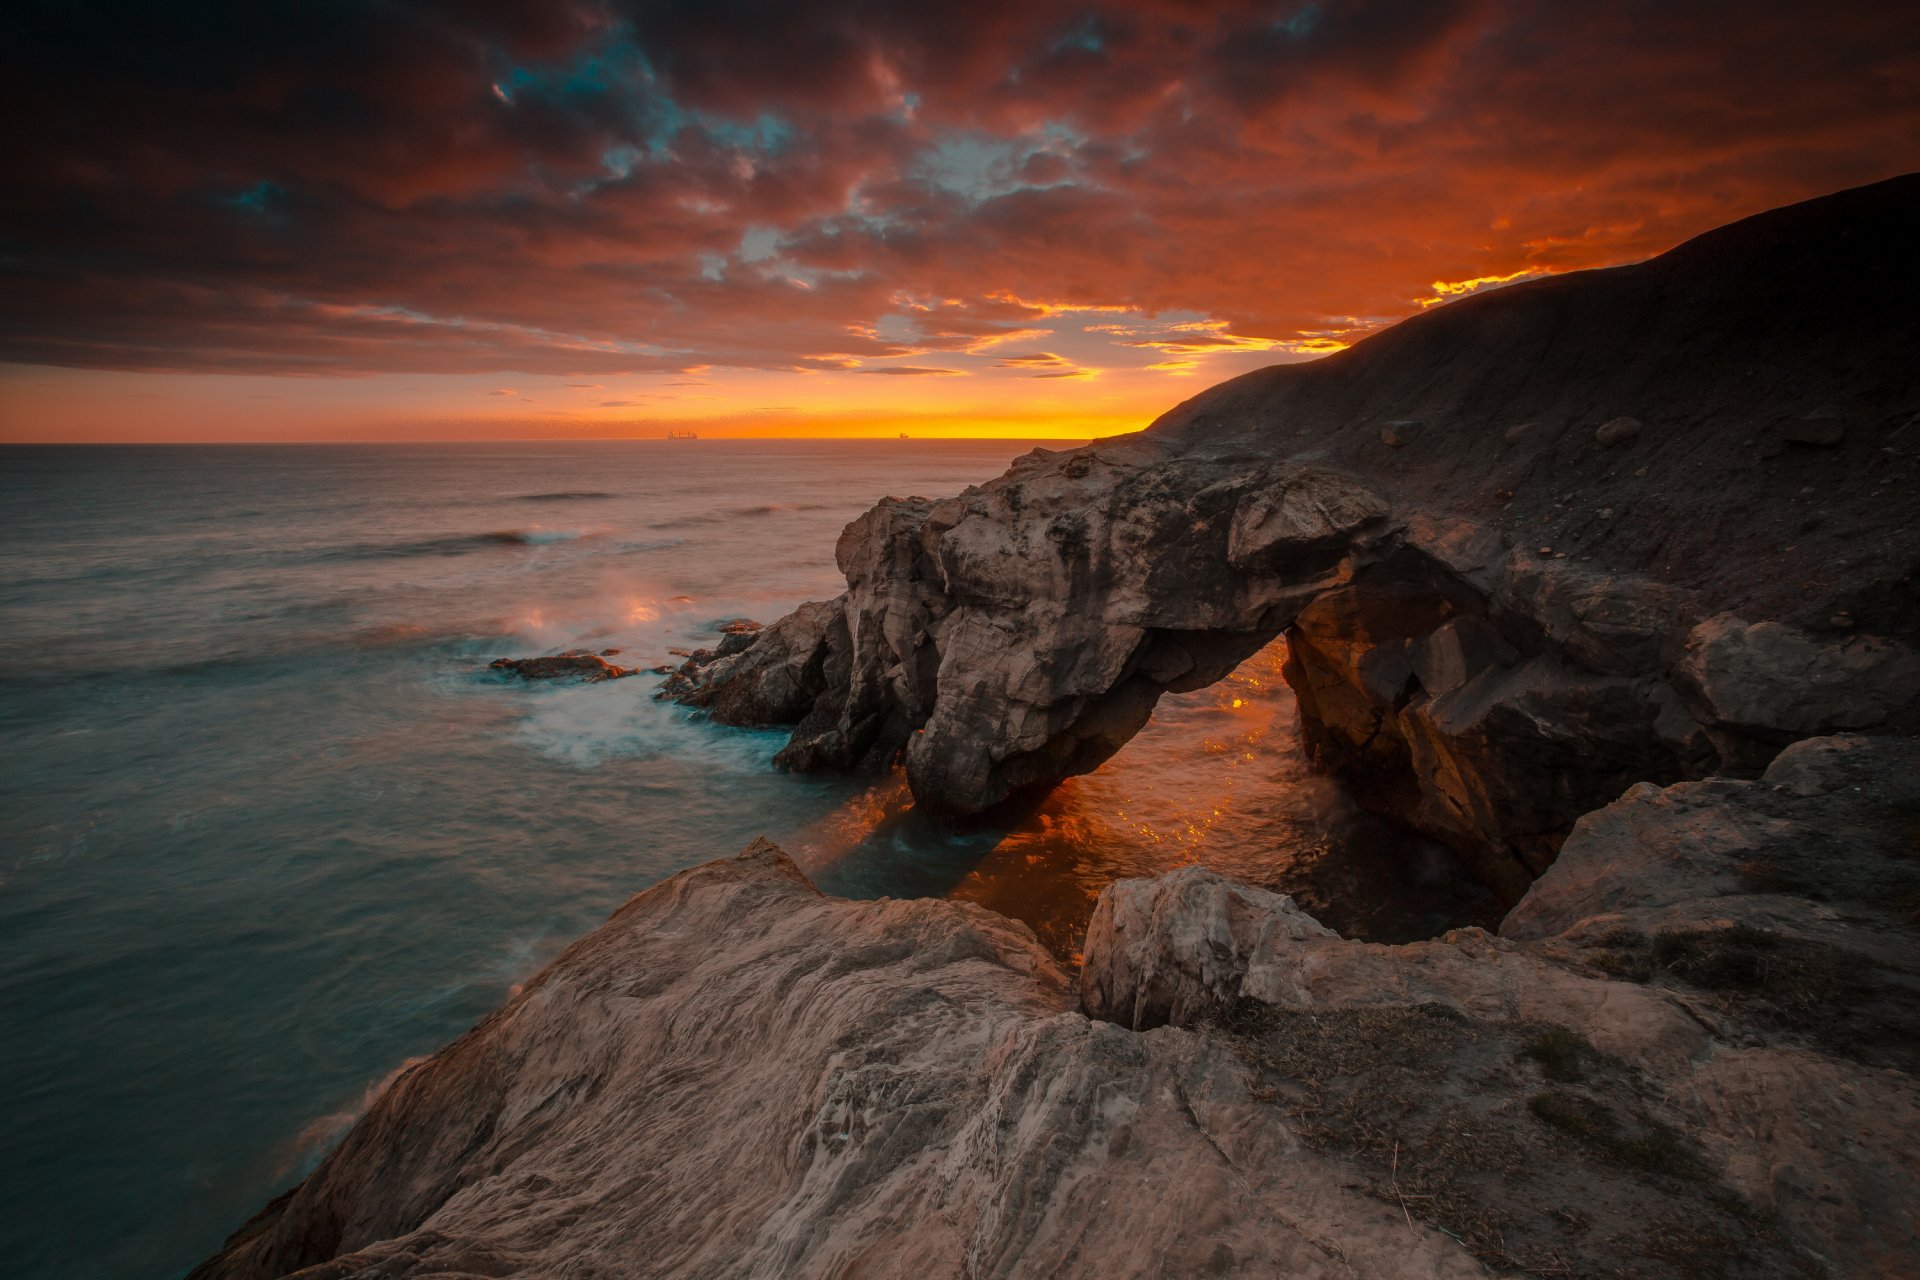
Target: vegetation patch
x,y
1828,996
1559,1053
1536,1150
1646,1144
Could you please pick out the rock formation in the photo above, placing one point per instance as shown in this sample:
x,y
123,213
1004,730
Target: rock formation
x,y
738,1077
1582,576
1716,985
1690,1052
1493,630
574,664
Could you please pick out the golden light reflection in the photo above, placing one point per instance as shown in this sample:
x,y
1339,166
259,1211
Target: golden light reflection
x,y
1187,790
1197,786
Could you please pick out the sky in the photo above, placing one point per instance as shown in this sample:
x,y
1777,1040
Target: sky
x,y
375,219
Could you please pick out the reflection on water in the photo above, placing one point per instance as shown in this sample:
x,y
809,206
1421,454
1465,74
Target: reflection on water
x,y
269,826
1217,779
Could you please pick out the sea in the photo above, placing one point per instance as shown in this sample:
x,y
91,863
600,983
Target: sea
x,y
270,827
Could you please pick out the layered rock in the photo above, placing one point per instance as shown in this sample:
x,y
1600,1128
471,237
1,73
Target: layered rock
x,y
1715,988
736,1076
1021,632
1497,619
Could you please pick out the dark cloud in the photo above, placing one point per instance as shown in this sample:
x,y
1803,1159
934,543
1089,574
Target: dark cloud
x,y
601,186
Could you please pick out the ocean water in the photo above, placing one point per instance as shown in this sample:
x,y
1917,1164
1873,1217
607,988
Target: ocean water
x,y
269,828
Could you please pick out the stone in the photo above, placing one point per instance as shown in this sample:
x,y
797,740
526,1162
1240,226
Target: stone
x,y
1458,651
1396,435
1767,683
575,664
1617,431
1823,428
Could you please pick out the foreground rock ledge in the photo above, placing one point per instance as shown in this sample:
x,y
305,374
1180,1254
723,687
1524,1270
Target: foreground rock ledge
x,y
737,1076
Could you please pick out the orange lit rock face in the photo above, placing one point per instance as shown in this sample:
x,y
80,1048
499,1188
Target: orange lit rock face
x,y
1489,617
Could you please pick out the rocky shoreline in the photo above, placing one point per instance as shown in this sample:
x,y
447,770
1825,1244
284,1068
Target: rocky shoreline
x,y
1667,1063
1607,581
1499,616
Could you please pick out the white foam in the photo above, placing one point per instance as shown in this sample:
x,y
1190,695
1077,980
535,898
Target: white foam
x,y
589,725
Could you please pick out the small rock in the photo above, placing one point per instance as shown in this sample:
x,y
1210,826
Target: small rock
x,y
1515,433
1841,621
590,667
1618,431
1822,428
1546,551
1396,434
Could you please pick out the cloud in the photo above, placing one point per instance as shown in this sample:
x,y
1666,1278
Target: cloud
x,y
914,371
601,187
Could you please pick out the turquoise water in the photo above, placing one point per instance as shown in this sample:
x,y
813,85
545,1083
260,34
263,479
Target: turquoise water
x,y
271,828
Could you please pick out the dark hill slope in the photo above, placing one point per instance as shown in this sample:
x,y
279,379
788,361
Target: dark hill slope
x,y
1722,348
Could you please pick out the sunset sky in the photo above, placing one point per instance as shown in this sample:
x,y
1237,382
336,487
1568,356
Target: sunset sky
x,y
382,220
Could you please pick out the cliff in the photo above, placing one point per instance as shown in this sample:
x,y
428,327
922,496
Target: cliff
x,y
1642,524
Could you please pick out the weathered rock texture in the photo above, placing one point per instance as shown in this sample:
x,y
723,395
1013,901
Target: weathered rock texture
x,y
1691,1053
737,1077
1716,988
1498,618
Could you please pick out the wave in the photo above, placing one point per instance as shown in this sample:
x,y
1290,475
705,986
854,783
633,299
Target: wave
x,y
740,513
538,535
565,495
455,544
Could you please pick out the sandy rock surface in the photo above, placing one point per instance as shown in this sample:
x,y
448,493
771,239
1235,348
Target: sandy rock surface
x,y
736,1076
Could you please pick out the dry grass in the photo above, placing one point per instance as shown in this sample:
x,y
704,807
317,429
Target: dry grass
x,y
1827,996
1446,1119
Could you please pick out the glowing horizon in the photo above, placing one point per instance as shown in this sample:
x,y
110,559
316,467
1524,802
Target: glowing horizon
x,y
1035,220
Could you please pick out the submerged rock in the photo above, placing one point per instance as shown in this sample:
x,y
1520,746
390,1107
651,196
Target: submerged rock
x,y
574,664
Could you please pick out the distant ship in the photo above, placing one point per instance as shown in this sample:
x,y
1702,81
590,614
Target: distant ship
x,y
903,435
683,435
